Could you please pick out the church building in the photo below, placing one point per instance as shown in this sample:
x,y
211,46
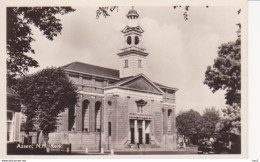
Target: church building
x,y
119,109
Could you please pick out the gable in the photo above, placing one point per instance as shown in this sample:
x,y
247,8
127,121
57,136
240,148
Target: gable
x,y
141,84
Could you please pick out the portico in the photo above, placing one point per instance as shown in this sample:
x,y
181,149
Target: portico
x,y
139,128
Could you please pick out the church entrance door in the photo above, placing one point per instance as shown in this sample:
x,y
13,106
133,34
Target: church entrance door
x,y
140,131
132,130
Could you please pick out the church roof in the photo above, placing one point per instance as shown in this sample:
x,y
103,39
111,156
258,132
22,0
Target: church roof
x,y
165,87
89,69
92,70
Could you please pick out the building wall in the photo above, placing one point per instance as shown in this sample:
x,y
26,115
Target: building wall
x,y
116,105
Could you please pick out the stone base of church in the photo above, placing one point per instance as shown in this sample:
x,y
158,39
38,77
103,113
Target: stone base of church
x,y
90,142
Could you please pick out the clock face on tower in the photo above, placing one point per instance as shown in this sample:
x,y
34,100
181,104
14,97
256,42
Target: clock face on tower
x,y
136,40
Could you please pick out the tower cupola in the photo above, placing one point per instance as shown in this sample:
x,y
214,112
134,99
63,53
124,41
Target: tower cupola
x,y
132,14
132,17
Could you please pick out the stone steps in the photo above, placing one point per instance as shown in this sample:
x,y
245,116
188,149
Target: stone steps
x,y
54,138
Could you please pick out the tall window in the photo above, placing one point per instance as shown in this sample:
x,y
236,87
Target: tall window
x,y
140,63
169,121
85,115
72,116
109,129
98,116
140,106
126,63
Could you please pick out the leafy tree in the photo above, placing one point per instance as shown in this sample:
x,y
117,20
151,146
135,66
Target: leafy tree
x,y
45,95
229,128
226,72
230,124
210,119
105,11
20,36
189,124
226,75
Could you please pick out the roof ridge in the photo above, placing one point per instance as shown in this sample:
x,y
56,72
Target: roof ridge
x,y
94,65
64,66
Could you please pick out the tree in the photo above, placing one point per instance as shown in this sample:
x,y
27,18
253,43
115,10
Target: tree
x,y
19,35
226,74
45,95
210,119
230,124
105,11
189,124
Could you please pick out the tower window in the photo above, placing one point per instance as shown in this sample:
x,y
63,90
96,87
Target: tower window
x,y
136,40
129,40
126,63
140,63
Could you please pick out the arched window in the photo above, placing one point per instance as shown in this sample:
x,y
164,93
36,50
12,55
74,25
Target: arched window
x,y
169,120
98,116
136,40
129,40
85,115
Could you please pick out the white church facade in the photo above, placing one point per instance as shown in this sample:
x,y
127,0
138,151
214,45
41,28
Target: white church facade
x,y
119,109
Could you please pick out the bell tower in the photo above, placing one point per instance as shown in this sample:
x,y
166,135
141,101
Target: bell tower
x,y
133,56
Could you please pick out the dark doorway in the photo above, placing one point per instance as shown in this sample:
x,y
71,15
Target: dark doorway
x,y
147,138
132,130
140,131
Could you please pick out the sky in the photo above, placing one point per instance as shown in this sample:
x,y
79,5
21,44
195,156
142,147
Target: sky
x,y
179,50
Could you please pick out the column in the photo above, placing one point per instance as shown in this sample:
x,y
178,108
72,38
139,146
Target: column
x,y
92,116
143,126
102,113
136,131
